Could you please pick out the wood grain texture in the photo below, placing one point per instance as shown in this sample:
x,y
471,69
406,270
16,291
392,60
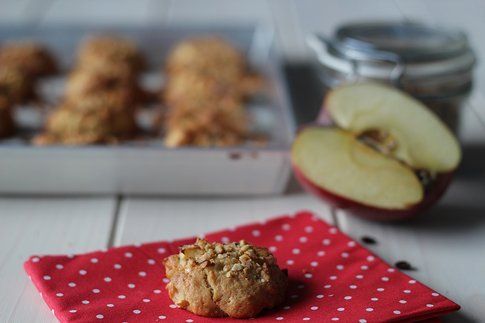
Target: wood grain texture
x,y
144,219
31,226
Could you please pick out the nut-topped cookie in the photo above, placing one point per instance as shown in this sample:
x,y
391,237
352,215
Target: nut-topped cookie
x,y
83,83
216,280
15,85
31,58
218,126
100,118
108,52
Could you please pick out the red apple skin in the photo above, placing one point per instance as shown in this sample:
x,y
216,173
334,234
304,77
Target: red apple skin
x,y
434,193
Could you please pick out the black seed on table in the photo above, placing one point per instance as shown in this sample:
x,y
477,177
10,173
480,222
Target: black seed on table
x,y
368,240
404,265
235,156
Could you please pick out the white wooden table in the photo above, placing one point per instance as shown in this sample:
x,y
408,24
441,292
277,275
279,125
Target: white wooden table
x,y
446,246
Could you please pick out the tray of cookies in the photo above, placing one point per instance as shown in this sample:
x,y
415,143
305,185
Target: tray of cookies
x,y
172,110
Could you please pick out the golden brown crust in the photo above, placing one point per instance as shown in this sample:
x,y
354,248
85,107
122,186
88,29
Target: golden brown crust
x,y
104,52
214,61
187,88
100,118
82,83
15,85
101,95
207,83
218,126
206,54
235,279
31,58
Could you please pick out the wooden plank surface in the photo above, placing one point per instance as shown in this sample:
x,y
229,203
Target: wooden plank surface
x,y
145,219
31,226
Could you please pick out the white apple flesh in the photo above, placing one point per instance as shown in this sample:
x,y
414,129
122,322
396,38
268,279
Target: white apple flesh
x,y
424,142
336,164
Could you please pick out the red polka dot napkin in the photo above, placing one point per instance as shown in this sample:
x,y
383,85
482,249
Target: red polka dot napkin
x,y
332,278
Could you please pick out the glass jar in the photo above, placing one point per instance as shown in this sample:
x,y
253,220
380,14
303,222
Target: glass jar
x,y
432,64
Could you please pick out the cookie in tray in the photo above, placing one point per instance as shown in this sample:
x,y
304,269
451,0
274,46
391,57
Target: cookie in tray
x,y
98,52
205,94
100,118
31,58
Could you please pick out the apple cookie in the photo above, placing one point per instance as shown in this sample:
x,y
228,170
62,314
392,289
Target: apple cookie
x,y
216,280
30,58
208,81
198,91
82,83
214,60
206,54
15,85
101,118
101,52
216,126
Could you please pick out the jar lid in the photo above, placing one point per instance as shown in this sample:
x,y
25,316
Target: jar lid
x,y
394,49
412,42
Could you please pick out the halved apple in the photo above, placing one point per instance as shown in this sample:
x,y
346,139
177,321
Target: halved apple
x,y
386,155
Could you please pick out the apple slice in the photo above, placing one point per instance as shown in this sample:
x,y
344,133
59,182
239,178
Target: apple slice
x,y
342,165
385,155
422,140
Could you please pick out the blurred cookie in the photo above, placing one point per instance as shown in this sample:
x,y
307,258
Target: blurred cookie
x,y
100,118
214,59
217,280
28,57
82,83
186,88
107,52
207,55
207,83
215,125
15,85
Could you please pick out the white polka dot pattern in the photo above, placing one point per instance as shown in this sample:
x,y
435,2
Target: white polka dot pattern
x,y
332,278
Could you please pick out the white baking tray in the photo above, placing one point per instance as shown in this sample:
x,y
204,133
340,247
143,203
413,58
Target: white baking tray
x,y
146,166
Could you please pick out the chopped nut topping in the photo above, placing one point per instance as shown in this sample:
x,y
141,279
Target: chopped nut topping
x,y
237,267
231,258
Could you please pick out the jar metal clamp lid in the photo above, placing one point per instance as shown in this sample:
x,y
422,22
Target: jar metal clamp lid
x,y
429,62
